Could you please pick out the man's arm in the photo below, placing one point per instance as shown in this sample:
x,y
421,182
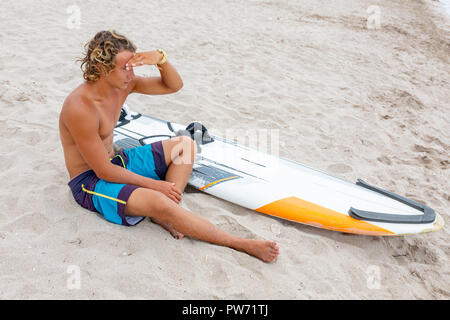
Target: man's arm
x,y
169,82
83,125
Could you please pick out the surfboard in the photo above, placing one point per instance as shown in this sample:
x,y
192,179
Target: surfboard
x,y
282,188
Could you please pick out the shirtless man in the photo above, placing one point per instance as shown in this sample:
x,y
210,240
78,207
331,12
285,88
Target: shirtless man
x,y
146,181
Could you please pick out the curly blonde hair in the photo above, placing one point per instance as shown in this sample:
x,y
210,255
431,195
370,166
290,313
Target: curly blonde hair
x,y
100,53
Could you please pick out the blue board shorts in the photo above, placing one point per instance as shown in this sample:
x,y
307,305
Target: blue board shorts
x,y
108,198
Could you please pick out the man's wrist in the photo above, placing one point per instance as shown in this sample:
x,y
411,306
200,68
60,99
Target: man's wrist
x,y
163,56
151,184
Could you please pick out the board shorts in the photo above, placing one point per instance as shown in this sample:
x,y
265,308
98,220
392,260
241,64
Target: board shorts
x,y
108,198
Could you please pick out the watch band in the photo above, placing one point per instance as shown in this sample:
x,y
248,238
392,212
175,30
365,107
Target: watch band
x,y
164,58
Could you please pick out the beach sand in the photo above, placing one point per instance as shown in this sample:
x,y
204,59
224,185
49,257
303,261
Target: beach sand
x,y
353,101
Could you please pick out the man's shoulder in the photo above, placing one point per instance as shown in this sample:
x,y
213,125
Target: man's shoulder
x,y
77,102
78,109
79,96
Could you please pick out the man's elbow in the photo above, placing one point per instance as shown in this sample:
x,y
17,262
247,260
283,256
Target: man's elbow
x,y
103,173
178,88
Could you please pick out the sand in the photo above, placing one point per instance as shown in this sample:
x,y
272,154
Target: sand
x,y
354,101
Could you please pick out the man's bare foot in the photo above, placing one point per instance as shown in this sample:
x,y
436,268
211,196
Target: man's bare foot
x,y
265,250
177,235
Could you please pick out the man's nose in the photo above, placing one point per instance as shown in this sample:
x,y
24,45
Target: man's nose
x,y
130,74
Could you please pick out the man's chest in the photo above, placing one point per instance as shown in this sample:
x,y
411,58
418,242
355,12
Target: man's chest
x,y
108,118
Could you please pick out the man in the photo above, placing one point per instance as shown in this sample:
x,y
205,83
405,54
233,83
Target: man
x,y
146,181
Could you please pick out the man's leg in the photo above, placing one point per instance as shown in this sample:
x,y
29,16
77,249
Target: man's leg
x,y
153,204
179,153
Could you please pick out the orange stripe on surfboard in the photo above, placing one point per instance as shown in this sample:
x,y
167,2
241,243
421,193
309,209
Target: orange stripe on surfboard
x,y
296,209
217,181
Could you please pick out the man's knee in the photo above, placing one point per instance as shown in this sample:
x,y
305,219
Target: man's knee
x,y
187,150
188,144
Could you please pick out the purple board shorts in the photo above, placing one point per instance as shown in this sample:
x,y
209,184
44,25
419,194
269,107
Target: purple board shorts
x,y
109,199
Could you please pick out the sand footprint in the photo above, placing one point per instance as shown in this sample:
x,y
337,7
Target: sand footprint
x,y
233,226
220,276
385,160
416,251
30,223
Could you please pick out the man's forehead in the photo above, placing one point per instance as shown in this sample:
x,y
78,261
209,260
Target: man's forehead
x,y
123,56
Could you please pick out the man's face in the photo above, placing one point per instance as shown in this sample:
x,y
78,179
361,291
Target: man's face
x,y
120,77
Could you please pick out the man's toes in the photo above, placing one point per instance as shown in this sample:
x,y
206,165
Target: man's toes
x,y
177,235
274,246
272,257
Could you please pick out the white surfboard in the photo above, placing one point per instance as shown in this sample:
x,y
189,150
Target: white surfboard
x,y
283,188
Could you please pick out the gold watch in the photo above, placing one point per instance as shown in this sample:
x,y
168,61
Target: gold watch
x,y
164,58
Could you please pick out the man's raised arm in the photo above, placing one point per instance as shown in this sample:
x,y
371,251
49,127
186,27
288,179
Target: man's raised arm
x,y
169,82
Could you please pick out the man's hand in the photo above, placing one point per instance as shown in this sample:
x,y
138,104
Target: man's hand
x,y
168,189
144,58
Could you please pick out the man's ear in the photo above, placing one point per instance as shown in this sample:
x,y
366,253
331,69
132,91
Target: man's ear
x,y
100,69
